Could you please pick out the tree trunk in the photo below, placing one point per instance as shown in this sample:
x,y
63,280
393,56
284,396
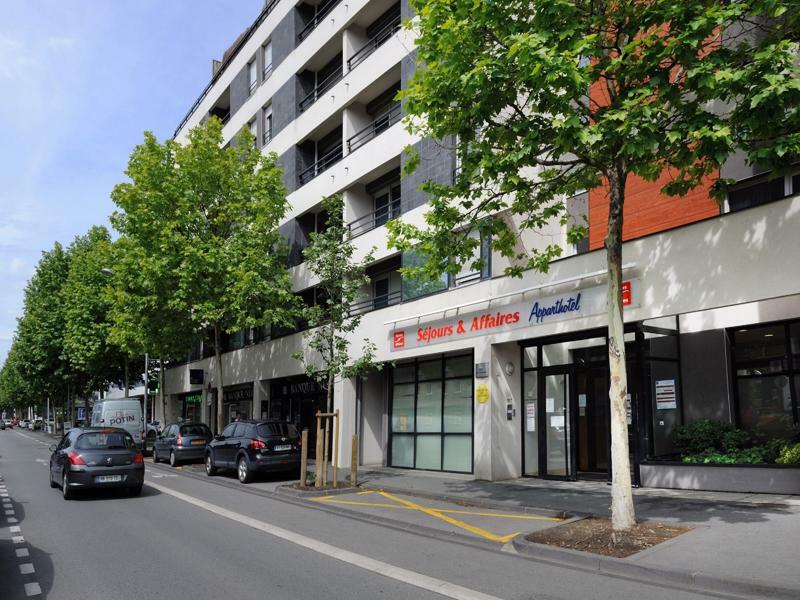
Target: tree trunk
x,y
127,376
623,517
329,404
218,357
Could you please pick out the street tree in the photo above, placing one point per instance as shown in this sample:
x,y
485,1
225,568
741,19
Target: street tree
x,y
548,99
327,355
87,325
205,218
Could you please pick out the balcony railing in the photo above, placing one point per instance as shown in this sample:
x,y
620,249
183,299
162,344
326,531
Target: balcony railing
x,y
253,86
323,9
321,87
375,42
322,164
381,123
376,218
267,71
376,303
267,135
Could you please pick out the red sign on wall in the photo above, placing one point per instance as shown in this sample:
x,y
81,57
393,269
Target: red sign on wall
x,y
626,293
399,339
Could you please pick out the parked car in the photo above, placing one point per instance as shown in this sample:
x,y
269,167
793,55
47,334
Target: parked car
x,y
254,446
10,423
182,441
24,423
15,422
36,424
2,424
125,413
96,458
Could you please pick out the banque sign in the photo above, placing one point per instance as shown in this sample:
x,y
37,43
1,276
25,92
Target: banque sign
x,y
530,313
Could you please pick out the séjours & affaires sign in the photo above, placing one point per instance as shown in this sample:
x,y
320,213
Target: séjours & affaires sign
x,y
529,313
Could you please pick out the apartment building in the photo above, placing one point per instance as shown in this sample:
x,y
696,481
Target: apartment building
x,y
484,374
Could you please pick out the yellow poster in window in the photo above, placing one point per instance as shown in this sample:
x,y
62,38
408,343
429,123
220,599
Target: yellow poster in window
x,y
482,393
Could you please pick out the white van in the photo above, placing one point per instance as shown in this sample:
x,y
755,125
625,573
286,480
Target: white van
x,y
123,412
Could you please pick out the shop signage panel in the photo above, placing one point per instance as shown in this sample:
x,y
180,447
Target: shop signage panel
x,y
529,313
666,398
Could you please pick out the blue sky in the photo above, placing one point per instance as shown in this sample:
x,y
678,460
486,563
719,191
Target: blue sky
x,y
79,83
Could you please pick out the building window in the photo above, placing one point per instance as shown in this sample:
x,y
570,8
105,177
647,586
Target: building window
x,y
267,52
252,75
767,371
470,274
253,127
755,193
431,414
267,124
417,287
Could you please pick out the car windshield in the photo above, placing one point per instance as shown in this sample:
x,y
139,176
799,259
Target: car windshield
x,y
104,440
284,429
195,430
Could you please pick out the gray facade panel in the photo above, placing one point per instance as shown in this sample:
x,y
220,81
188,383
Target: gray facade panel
x,y
705,366
240,90
284,38
284,106
437,163
288,162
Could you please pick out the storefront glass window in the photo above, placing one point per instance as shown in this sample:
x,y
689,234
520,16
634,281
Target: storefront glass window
x,y
432,414
765,359
765,406
429,406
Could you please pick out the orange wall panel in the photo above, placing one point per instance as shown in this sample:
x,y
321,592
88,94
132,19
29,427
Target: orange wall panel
x,y
647,210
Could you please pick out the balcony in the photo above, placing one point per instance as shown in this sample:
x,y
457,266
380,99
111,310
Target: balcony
x,y
381,123
322,164
376,302
376,218
379,32
322,86
320,12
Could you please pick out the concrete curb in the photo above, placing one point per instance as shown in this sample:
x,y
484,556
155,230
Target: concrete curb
x,y
684,578
290,490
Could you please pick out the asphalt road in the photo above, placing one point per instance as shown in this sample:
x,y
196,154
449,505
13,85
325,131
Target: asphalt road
x,y
191,538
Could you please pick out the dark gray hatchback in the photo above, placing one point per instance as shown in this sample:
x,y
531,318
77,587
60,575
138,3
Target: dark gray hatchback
x,y
182,441
96,458
255,446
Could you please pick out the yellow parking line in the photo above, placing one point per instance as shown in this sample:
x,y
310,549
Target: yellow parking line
x,y
334,500
365,492
439,515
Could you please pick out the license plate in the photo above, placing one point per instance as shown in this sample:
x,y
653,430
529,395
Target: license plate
x,y
282,448
198,442
108,478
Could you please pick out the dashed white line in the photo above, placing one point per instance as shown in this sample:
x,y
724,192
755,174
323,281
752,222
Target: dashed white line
x,y
14,529
26,568
13,520
33,589
17,539
22,552
10,513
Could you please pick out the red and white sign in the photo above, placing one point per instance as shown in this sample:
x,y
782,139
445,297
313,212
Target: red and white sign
x,y
530,313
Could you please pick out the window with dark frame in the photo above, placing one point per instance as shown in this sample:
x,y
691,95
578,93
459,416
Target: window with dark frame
x,y
766,367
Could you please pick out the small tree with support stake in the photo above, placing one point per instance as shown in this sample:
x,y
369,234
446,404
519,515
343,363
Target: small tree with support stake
x,y
330,256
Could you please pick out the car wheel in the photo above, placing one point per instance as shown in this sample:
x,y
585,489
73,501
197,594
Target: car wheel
x,y
155,454
65,491
173,460
243,470
135,491
149,444
210,468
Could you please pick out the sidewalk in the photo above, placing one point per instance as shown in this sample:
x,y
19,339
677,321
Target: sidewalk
x,y
745,537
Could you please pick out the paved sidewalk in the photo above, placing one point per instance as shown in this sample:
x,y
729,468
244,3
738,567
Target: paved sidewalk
x,y
747,537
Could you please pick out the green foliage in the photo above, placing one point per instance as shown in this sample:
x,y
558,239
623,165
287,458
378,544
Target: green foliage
x,y
746,456
790,455
507,85
200,244
698,436
330,256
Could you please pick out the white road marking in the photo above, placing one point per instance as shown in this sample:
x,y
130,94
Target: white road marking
x,y
14,529
42,460
26,568
425,582
22,552
9,513
17,539
12,520
4,495
33,589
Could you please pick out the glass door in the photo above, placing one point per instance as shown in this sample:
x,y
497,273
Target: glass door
x,y
555,437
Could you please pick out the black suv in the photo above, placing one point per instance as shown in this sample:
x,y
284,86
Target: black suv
x,y
254,446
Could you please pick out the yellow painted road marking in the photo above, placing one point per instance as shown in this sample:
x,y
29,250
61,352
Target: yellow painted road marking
x,y
334,500
365,492
439,515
